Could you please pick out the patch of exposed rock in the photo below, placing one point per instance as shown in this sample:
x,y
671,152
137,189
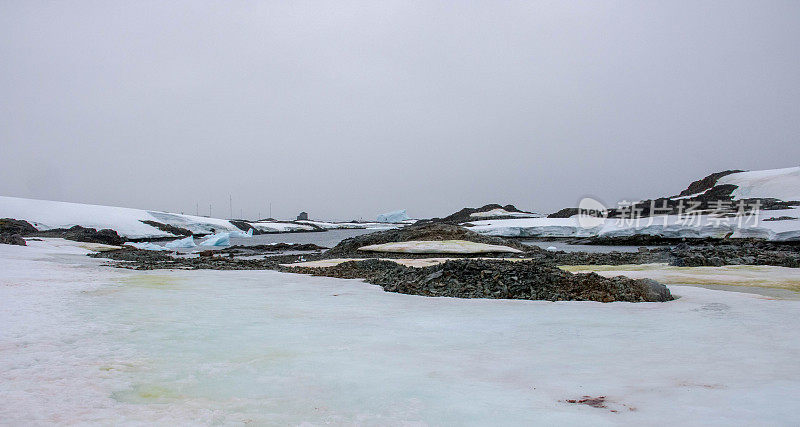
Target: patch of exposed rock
x,y
83,234
708,182
475,278
12,239
16,226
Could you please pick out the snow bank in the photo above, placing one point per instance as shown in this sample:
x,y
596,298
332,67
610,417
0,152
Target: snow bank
x,y
46,214
502,212
533,227
348,225
280,227
147,246
670,226
439,247
782,184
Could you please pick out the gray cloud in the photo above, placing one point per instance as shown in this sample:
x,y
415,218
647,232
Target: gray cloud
x,y
350,109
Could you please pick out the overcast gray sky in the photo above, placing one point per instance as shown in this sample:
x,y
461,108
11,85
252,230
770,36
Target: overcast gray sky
x,y
349,109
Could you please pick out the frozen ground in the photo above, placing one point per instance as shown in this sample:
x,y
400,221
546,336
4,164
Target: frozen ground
x,y
81,343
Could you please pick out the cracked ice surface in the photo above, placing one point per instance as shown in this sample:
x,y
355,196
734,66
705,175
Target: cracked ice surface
x,y
86,343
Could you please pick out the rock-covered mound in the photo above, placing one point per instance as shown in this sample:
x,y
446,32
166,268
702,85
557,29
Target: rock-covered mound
x,y
348,248
82,234
480,278
10,227
492,210
16,226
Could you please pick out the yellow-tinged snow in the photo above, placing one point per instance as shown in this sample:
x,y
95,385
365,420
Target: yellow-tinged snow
x,y
439,247
730,275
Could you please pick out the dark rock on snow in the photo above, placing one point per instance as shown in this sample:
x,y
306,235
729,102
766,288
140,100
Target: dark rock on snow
x,y
90,235
12,239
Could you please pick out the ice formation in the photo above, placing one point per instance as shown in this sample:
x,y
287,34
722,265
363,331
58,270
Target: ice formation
x,y
394,217
186,242
219,239
146,246
240,233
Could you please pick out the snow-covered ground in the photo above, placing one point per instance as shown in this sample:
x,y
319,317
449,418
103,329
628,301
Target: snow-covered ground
x,y
782,184
46,214
439,247
673,226
280,227
533,227
86,344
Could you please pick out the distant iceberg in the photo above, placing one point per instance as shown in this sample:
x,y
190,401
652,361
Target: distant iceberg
x,y
187,242
219,239
396,216
146,246
240,233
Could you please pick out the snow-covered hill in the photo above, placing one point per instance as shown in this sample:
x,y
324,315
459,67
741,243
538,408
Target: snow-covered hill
x,y
773,224
127,222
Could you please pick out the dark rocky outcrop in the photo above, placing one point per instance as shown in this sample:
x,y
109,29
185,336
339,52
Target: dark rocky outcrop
x,y
105,235
12,239
16,226
83,234
704,184
476,278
